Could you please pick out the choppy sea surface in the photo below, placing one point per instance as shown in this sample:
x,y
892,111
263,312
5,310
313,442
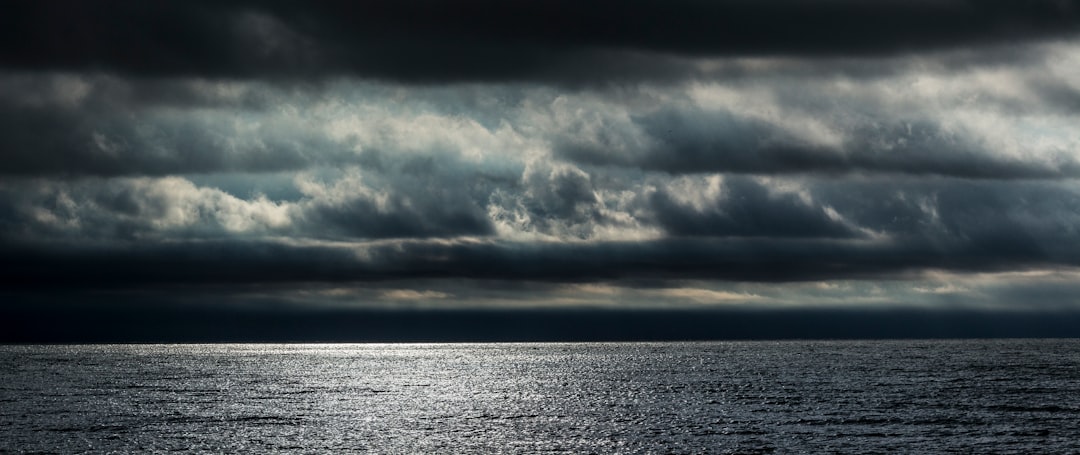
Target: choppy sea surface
x,y
967,396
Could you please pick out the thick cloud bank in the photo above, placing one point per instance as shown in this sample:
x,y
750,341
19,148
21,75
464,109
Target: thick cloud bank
x,y
435,41
493,154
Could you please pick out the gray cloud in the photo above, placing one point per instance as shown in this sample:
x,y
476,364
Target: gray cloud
x,y
407,206
159,209
99,125
775,227
541,154
485,40
949,226
62,130
745,209
700,141
237,262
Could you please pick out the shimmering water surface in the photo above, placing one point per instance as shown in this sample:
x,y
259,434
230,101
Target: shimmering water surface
x,y
990,396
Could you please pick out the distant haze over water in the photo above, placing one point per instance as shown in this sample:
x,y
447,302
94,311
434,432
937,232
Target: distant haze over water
x,y
150,322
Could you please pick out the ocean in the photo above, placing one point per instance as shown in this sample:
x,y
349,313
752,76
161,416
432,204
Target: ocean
x,y
932,396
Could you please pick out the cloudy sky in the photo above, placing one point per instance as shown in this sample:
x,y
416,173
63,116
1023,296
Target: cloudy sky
x,y
793,157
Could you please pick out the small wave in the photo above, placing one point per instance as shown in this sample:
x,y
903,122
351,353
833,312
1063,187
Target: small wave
x,y
90,429
1044,408
268,419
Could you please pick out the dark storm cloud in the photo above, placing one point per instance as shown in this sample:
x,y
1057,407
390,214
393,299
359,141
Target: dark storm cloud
x,y
214,170
95,210
692,140
65,125
125,275
1056,94
99,92
162,230
396,215
560,193
111,141
76,125
489,40
105,139
985,219
236,262
138,265
401,195
747,210
130,209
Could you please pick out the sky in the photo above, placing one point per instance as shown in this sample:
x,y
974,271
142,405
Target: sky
x,y
472,170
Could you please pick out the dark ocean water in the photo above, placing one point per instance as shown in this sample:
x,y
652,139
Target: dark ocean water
x,y
981,396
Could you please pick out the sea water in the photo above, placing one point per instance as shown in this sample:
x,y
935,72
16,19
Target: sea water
x,y
982,396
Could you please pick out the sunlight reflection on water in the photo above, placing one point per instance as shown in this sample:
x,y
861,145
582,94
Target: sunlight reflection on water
x,y
746,397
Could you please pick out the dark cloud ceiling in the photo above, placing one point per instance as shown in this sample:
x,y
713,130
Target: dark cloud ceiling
x,y
228,145
433,41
